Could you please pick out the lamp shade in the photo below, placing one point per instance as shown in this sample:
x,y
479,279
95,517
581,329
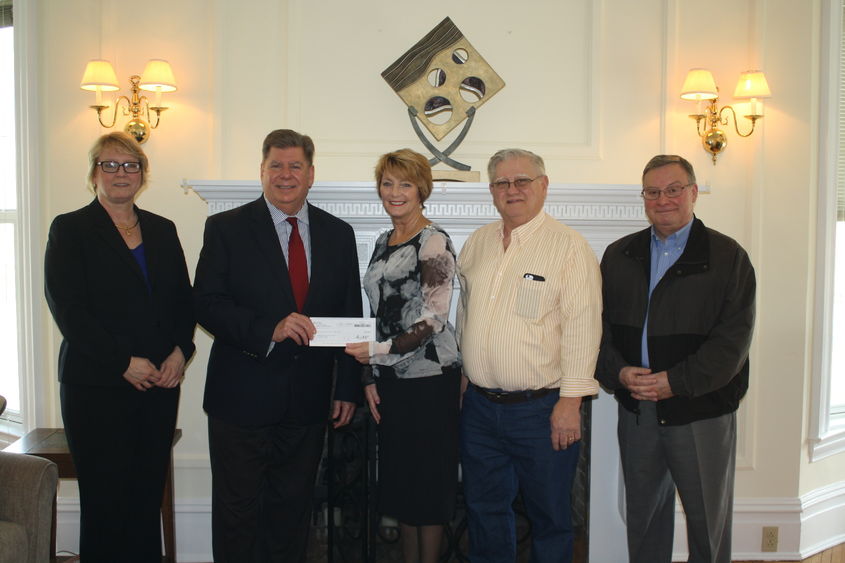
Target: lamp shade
x,y
99,74
699,85
752,84
158,77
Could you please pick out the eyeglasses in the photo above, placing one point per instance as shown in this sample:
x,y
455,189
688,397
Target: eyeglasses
x,y
518,183
672,191
111,166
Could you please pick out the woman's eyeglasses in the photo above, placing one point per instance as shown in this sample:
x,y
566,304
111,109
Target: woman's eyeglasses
x,y
111,166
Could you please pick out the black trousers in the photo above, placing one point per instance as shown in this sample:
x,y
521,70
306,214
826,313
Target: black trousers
x,y
262,486
120,440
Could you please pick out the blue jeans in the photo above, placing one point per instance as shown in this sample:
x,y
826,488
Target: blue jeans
x,y
505,449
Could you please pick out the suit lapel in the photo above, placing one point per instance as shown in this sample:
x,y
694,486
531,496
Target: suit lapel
x,y
321,254
267,241
153,240
104,229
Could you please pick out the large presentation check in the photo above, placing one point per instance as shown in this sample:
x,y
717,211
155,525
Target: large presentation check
x,y
338,331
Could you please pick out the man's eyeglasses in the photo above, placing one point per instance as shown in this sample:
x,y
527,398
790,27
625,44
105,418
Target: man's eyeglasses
x,y
519,183
670,191
111,166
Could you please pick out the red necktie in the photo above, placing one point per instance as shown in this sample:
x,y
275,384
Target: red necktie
x,y
297,265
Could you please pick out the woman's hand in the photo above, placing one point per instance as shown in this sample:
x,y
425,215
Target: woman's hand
x,y
172,369
141,373
360,351
373,400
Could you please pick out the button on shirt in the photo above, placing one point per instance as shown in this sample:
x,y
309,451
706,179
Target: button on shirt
x,y
664,253
529,317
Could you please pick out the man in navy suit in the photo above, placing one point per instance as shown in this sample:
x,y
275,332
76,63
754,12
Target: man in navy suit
x,y
268,395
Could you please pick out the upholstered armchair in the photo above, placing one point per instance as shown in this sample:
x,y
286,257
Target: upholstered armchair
x,y
27,490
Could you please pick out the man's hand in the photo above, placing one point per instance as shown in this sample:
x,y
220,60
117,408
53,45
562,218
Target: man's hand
x,y
662,387
342,412
298,328
464,385
566,422
639,381
644,385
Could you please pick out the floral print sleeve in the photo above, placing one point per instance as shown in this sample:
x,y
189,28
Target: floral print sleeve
x,y
410,290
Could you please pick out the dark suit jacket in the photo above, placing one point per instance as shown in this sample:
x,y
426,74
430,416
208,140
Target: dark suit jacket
x,y
242,290
101,303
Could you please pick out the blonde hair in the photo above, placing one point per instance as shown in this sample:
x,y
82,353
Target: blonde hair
x,y
408,165
121,142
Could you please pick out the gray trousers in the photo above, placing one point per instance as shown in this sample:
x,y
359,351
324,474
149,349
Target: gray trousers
x,y
699,459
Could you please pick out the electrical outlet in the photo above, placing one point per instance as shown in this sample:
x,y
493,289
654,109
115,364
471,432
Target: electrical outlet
x,y
770,538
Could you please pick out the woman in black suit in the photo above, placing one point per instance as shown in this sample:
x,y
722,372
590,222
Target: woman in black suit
x,y
118,288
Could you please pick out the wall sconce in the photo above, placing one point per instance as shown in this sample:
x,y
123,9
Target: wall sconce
x,y
700,87
158,77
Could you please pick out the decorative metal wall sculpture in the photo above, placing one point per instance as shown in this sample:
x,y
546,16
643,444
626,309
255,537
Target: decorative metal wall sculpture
x,y
443,80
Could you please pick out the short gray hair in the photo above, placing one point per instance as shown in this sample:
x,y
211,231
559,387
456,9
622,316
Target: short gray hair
x,y
507,154
667,159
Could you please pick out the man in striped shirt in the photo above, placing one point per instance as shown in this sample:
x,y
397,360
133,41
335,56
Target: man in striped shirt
x,y
529,322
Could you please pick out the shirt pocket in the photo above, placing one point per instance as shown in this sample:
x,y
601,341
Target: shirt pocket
x,y
530,298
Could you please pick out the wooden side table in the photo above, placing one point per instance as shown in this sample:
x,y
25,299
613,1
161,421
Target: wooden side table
x,y
51,443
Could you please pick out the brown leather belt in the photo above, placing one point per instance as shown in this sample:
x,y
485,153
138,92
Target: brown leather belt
x,y
513,397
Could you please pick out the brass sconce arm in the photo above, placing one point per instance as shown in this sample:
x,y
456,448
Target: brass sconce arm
x,y
101,108
138,106
753,117
710,117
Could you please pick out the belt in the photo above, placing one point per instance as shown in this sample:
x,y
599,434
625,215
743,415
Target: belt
x,y
513,397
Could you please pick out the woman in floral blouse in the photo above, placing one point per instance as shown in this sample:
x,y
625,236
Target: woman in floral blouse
x,y
414,390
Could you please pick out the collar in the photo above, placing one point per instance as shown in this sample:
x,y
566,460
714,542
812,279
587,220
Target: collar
x,y
696,255
524,231
280,216
676,239
103,217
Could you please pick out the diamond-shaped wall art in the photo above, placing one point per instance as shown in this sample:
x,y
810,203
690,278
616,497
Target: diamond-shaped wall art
x,y
442,76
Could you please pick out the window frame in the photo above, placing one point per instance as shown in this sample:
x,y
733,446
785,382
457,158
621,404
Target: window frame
x,y
34,388
10,420
827,430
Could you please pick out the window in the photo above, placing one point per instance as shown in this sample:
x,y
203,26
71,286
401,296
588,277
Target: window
x,y
9,383
827,434
837,359
21,278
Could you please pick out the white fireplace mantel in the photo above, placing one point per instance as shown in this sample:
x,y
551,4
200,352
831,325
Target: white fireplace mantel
x,y
601,212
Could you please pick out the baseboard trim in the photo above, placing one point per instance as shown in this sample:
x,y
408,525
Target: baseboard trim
x,y
807,525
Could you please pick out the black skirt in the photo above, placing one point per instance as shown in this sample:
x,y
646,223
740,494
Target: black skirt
x,y
418,447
